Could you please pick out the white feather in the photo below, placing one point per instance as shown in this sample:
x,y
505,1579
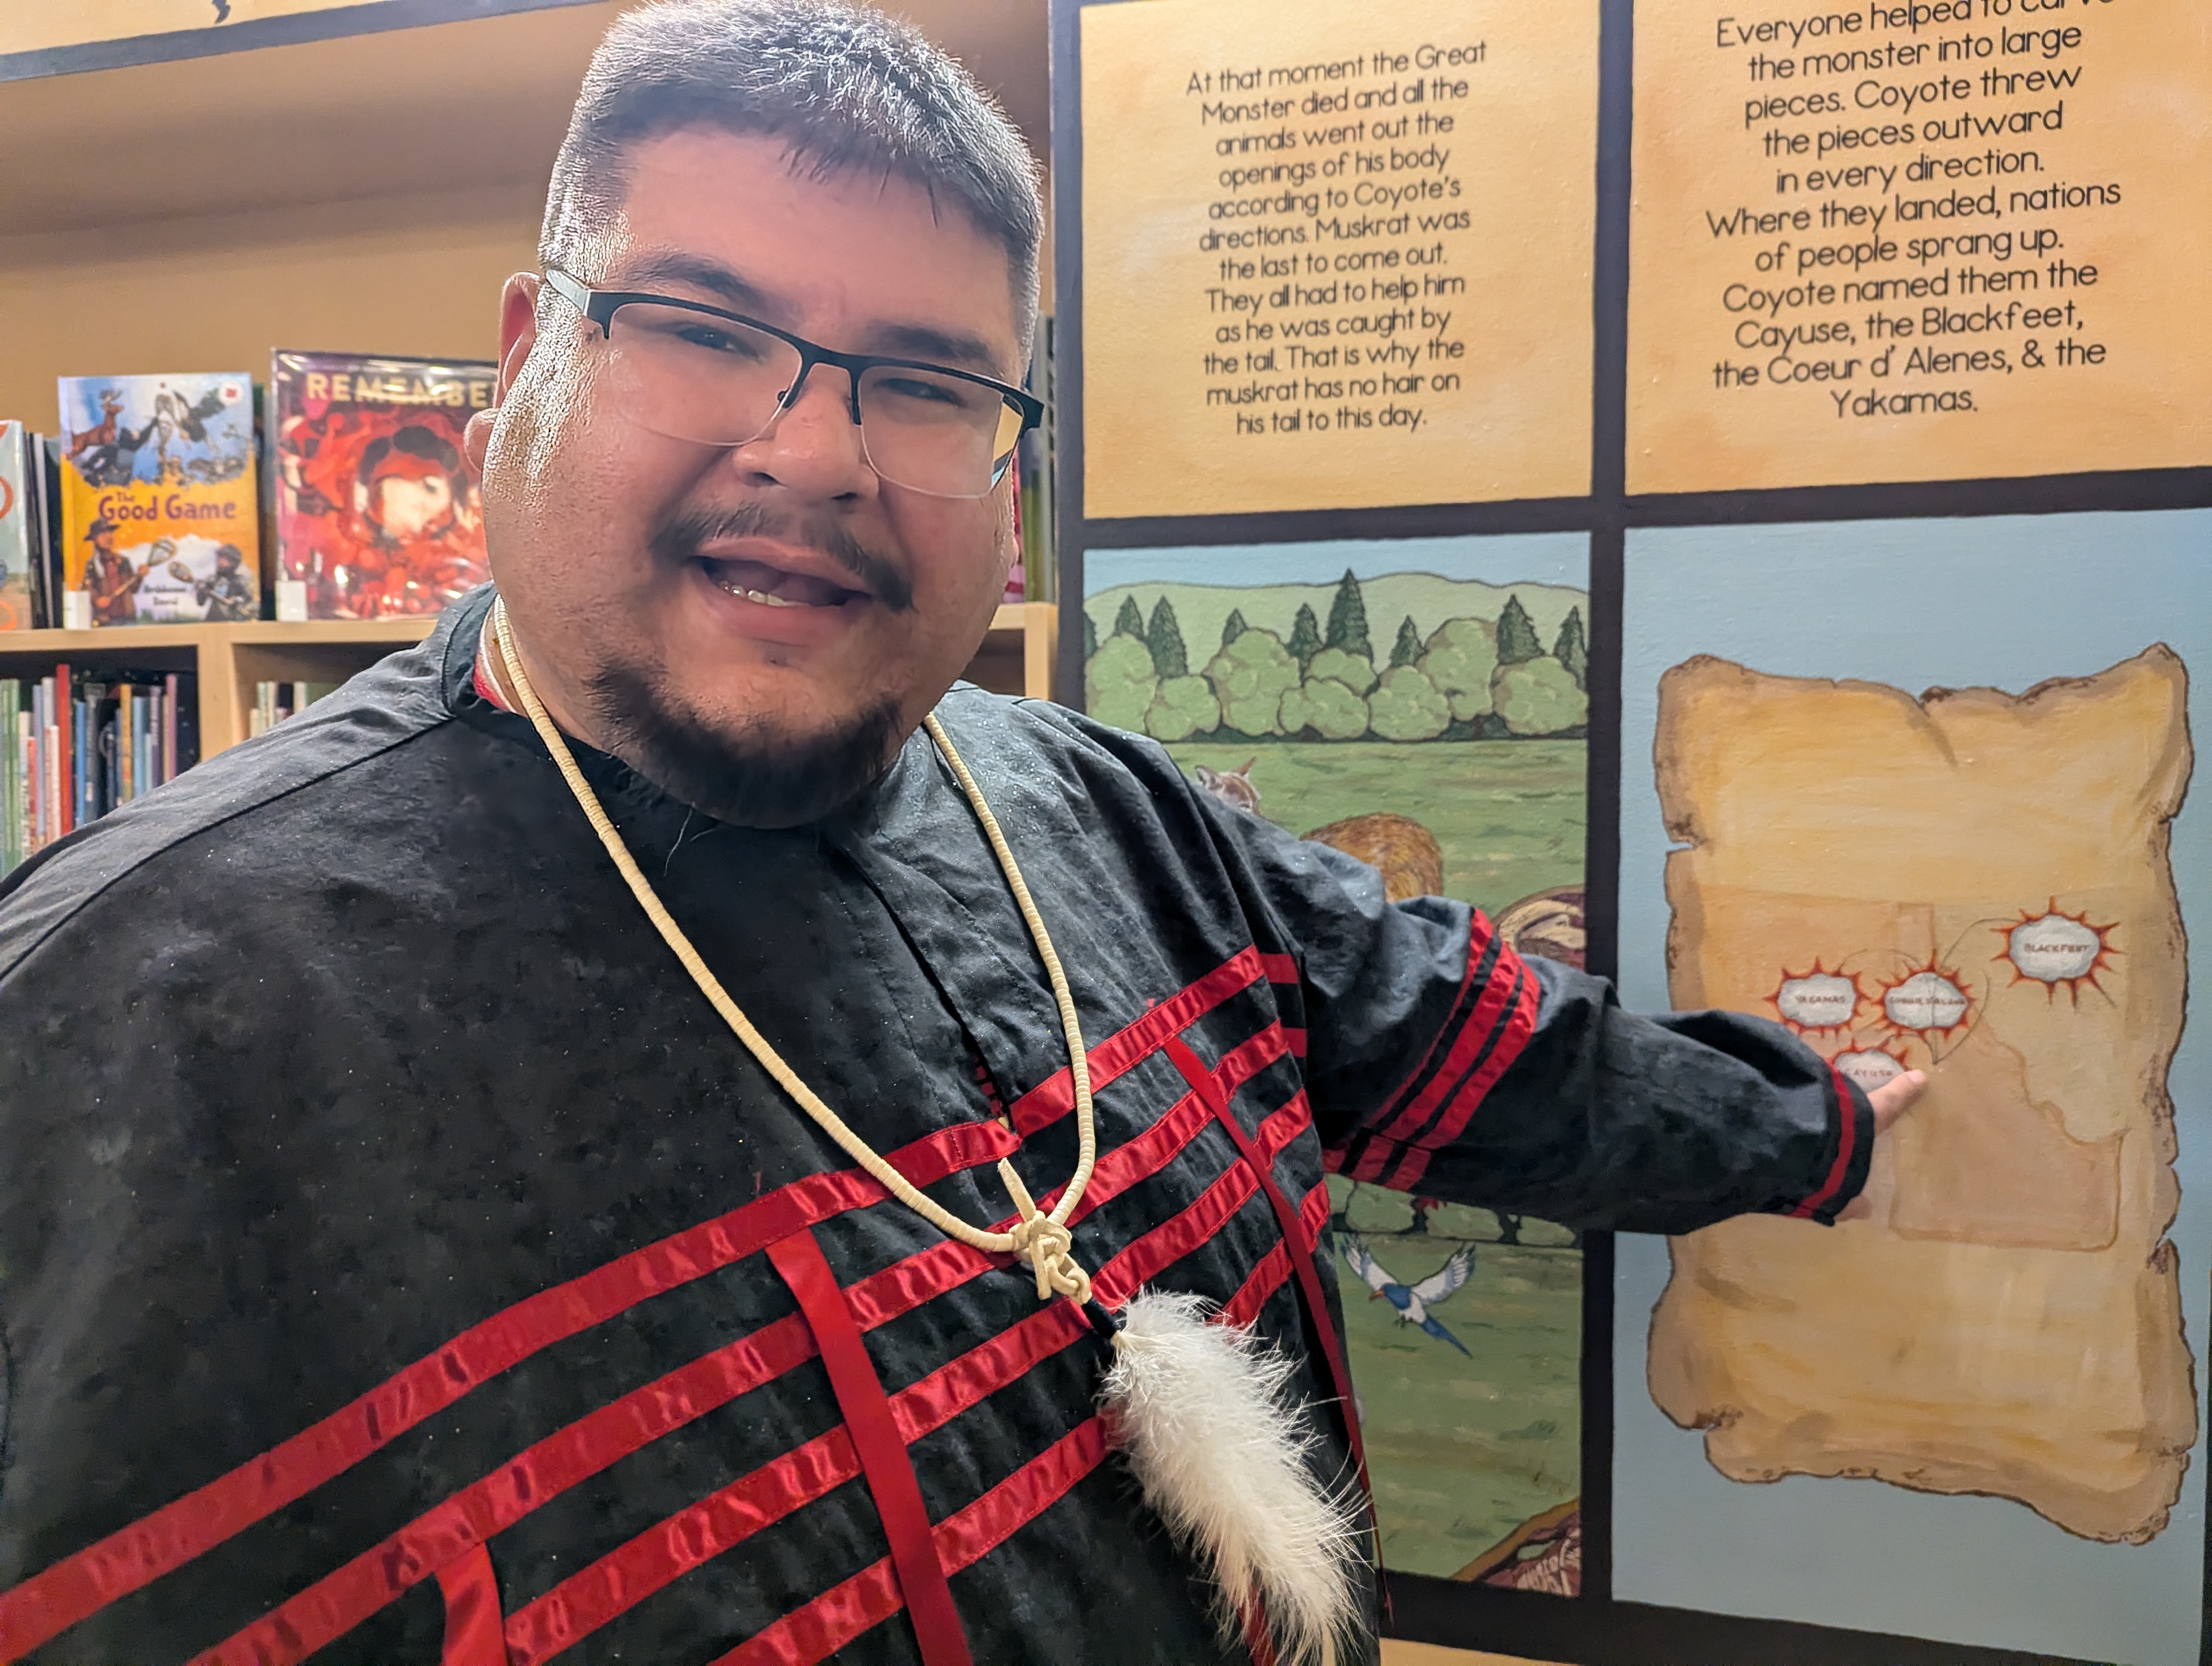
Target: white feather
x,y
1199,1411
1446,1279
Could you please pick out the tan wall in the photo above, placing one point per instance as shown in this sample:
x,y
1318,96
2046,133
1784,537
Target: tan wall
x,y
411,276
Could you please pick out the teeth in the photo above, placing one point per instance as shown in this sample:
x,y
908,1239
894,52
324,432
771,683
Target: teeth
x,y
760,596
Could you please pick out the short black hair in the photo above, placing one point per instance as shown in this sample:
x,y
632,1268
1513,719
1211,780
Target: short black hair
x,y
846,89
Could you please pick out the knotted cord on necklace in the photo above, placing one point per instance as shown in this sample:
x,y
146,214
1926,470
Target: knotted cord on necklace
x,y
1043,1238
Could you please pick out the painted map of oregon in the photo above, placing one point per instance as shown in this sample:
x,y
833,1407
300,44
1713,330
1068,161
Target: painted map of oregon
x,y
1977,885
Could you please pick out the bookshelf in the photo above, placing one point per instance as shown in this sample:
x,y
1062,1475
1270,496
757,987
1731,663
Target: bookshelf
x,y
365,192
1016,657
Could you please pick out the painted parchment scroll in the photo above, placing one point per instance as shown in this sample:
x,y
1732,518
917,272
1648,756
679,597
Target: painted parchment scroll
x,y
1976,885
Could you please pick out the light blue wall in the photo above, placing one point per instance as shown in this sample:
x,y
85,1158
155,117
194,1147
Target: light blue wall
x,y
2009,602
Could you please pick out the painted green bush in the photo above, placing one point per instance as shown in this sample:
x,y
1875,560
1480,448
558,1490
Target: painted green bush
x,y
1250,676
1326,707
1538,696
1460,660
1119,684
1184,706
1407,706
1355,671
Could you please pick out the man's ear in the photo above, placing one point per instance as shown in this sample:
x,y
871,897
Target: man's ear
x,y
518,334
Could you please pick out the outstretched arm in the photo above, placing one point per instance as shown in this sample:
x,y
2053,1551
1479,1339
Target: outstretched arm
x,y
1438,1060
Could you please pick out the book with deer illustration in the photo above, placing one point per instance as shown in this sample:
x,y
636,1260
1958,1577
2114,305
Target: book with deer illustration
x,y
376,507
161,521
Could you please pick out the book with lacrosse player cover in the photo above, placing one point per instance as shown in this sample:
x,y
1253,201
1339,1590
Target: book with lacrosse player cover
x,y
161,520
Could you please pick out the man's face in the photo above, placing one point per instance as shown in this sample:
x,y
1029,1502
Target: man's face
x,y
622,553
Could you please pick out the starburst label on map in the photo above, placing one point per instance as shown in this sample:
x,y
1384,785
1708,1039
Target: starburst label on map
x,y
2057,948
1817,999
1869,1069
1927,1000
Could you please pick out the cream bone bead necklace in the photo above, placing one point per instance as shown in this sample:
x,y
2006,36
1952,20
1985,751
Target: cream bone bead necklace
x,y
1197,1407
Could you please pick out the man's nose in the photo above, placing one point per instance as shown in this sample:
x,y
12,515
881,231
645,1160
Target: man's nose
x,y
813,446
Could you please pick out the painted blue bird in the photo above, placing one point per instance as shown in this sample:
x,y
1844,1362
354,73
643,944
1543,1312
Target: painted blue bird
x,y
1411,1300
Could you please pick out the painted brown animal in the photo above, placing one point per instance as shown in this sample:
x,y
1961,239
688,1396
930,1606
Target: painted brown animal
x,y
1549,923
1399,847
110,411
1545,1555
1403,851
1233,787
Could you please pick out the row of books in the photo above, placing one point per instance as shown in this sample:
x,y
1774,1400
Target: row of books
x,y
72,748
150,503
275,702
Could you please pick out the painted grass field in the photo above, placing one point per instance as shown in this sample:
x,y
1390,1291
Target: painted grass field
x,y
1462,1451
1508,813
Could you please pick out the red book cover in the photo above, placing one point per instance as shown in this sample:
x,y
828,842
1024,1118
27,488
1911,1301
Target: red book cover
x,y
64,711
376,511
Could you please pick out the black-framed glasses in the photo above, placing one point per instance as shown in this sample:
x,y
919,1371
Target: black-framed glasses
x,y
717,378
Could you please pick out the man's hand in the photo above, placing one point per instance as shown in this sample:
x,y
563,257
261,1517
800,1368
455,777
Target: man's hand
x,y
1890,1101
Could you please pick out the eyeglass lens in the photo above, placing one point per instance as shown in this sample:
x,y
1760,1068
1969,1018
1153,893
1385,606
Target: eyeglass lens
x,y
719,383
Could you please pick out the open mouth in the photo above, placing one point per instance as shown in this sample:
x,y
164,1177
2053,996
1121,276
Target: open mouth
x,y
776,587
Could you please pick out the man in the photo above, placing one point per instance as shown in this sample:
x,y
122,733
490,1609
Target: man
x,y
109,579
420,1267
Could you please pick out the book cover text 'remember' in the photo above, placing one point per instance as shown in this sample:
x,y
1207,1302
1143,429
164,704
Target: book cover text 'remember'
x,y
377,511
161,522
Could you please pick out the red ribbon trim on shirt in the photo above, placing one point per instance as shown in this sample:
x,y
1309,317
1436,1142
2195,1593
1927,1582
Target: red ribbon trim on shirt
x,y
1303,1244
344,1599
626,1576
1479,939
1495,994
882,1451
474,1633
61,1596
1272,1270
1054,1098
1511,1035
867,1599
830,1621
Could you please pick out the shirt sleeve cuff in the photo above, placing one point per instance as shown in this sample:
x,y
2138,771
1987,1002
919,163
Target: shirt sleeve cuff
x,y
1849,1152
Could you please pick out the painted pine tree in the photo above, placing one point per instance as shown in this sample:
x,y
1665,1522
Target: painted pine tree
x,y
1163,635
1305,637
1233,626
1516,636
1407,650
1347,619
1572,649
1130,621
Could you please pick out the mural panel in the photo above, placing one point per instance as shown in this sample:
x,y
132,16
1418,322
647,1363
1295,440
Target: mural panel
x,y
1971,853
1419,704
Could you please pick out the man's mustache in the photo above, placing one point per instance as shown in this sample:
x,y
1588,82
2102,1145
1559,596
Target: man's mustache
x,y
683,537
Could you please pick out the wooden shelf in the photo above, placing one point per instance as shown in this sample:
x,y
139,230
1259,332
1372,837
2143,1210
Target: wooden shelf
x,y
1016,657
440,107
364,194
